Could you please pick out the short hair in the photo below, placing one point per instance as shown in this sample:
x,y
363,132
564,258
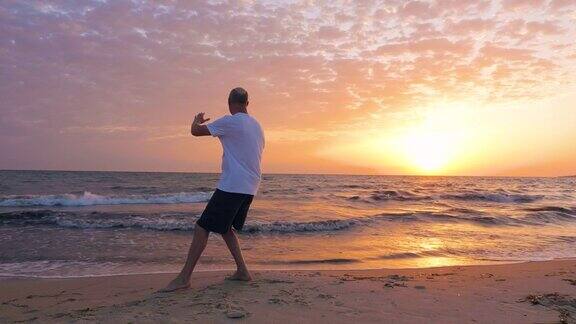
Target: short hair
x,y
239,96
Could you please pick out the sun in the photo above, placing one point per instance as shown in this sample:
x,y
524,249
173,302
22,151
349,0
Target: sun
x,y
439,140
428,152
437,143
433,148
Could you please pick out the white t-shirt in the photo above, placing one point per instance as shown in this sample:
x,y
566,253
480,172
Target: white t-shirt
x,y
242,139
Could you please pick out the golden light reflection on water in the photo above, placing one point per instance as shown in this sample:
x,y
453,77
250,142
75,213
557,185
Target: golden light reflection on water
x,y
424,235
425,245
432,262
431,244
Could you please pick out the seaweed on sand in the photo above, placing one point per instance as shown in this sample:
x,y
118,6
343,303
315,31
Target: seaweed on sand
x,y
563,304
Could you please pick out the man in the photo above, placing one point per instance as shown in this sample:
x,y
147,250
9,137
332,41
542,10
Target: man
x,y
242,139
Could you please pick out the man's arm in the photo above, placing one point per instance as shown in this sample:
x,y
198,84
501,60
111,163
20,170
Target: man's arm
x,y
197,128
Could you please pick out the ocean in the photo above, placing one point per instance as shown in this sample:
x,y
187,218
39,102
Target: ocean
x,y
70,224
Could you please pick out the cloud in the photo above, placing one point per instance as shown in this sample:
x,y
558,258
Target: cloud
x,y
521,4
545,28
422,47
418,9
466,26
557,5
88,67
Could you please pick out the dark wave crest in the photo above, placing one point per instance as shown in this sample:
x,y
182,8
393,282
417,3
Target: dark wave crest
x,y
186,221
493,197
405,195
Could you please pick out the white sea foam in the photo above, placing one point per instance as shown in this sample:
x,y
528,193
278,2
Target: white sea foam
x,y
136,222
90,199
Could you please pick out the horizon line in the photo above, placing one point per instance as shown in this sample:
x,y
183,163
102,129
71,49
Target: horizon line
x,y
297,173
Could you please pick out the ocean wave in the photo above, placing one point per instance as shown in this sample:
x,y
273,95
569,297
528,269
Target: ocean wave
x,y
551,214
300,227
493,197
28,217
173,222
185,221
91,199
441,252
353,186
556,209
386,195
96,220
447,217
399,195
134,223
396,256
314,261
419,195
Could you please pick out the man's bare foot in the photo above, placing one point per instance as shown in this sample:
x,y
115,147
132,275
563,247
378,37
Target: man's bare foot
x,y
176,284
240,276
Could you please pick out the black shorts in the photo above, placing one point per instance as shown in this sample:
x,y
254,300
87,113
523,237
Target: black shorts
x,y
224,210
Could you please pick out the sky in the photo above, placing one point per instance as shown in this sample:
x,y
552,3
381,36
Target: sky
x,y
446,87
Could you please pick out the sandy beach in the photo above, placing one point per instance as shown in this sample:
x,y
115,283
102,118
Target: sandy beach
x,y
533,292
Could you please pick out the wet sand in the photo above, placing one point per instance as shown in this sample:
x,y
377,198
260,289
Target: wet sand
x,y
533,292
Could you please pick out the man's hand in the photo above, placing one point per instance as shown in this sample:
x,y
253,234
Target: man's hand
x,y
199,119
197,128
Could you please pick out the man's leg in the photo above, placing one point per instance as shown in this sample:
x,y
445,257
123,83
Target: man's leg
x,y
242,272
196,248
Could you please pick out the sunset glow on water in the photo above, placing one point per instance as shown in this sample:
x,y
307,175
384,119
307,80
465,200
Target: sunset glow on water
x,y
120,222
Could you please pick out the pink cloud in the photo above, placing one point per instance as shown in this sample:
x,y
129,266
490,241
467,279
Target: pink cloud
x,y
329,32
546,27
469,25
419,9
438,45
519,4
556,5
504,53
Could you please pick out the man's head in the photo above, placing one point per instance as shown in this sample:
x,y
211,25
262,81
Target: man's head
x,y
238,100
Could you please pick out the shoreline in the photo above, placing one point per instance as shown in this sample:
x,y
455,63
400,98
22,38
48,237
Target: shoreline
x,y
534,291
8,277
489,263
